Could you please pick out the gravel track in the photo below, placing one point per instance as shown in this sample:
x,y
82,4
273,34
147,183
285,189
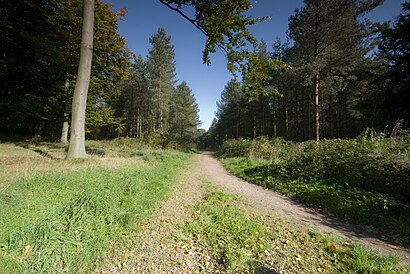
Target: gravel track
x,y
271,202
157,249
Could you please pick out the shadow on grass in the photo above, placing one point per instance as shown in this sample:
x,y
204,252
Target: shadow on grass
x,y
264,270
45,154
95,151
386,217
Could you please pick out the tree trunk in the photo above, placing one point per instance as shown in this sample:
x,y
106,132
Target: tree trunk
x,y
275,119
64,131
317,109
237,120
66,125
316,55
77,133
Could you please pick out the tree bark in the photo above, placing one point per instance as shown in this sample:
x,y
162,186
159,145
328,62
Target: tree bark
x,y
64,131
317,109
77,133
66,125
316,55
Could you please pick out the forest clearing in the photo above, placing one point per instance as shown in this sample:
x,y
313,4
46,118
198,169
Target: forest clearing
x,y
289,152
131,209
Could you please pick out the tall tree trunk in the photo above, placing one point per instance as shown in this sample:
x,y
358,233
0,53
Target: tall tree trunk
x,y
331,118
317,108
64,130
275,119
77,133
316,55
66,125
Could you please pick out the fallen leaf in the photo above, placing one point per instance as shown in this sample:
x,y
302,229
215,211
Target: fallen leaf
x,y
27,250
142,224
333,248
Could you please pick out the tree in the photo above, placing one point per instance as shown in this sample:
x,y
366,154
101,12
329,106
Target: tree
x,y
184,118
39,43
32,71
395,47
329,40
225,25
77,133
161,71
135,103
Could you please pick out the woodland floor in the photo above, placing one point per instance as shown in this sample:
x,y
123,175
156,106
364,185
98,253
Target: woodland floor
x,y
159,247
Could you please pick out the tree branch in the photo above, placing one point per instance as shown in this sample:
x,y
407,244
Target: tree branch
x,y
193,22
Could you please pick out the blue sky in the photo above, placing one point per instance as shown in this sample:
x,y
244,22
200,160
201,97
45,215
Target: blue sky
x,y
207,82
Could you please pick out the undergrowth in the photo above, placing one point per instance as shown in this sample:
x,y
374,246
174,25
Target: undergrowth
x,y
366,179
243,242
66,221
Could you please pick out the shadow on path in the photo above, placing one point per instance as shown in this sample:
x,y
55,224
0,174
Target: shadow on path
x,y
304,217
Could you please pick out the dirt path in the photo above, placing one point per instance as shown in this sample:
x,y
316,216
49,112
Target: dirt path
x,y
159,247
271,202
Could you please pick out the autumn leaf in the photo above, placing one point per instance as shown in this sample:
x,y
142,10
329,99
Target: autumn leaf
x,y
27,250
142,224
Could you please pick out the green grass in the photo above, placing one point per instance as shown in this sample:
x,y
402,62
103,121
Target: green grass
x,y
373,208
69,217
243,242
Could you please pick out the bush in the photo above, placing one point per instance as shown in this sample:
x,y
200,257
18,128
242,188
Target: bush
x,y
370,162
235,148
366,179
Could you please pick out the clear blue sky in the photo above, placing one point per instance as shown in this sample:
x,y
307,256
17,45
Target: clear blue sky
x,y
146,16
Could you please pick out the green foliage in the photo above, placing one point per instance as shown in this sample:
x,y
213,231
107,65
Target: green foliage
x,y
279,86
368,178
150,102
40,47
235,148
69,218
225,24
395,48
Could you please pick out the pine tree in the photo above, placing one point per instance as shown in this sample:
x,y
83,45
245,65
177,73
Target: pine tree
x,y
395,47
184,118
161,73
329,44
136,102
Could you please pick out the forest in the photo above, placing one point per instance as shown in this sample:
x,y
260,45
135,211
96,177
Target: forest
x,y
128,95
343,74
304,169
335,76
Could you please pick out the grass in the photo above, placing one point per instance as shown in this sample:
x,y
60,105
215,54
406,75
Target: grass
x,y
243,242
60,216
372,208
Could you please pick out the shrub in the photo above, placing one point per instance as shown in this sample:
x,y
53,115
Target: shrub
x,y
370,162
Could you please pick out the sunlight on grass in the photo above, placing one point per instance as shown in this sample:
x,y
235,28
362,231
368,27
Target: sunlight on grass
x,y
61,216
244,242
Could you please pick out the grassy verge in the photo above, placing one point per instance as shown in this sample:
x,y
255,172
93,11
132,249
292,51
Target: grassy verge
x,y
372,208
243,242
365,180
65,219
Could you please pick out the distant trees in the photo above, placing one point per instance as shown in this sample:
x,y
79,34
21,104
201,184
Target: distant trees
x,y
150,100
184,112
395,47
329,47
161,72
40,44
333,84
